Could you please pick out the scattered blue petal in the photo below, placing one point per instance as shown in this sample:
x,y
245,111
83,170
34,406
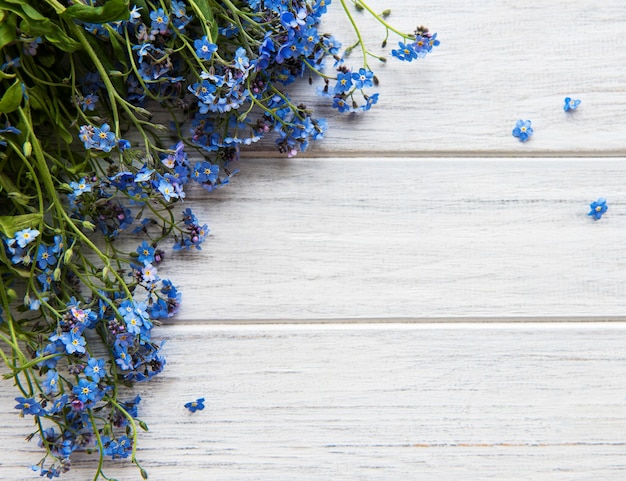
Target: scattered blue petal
x,y
523,130
571,104
598,208
197,405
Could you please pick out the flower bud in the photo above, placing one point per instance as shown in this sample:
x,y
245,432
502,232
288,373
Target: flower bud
x,y
27,148
89,225
11,294
67,257
57,274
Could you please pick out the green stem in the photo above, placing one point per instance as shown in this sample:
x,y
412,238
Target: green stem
x,y
44,174
382,20
357,31
100,446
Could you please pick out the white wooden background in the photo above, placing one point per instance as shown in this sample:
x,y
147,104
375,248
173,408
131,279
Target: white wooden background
x,y
399,303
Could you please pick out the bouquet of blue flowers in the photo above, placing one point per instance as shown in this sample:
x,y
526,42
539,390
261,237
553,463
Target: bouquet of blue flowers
x,y
83,163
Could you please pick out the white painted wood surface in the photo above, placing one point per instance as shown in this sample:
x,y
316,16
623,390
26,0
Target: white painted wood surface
x,y
409,238
377,402
499,61
440,214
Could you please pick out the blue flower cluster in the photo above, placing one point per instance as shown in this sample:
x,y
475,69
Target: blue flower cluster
x,y
421,46
232,87
125,320
96,73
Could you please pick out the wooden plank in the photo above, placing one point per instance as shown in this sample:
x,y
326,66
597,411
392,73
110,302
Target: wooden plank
x,y
496,64
416,238
376,402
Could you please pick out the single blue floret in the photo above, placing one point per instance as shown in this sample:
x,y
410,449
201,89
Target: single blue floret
x,y
598,208
363,78
571,104
197,405
204,48
25,236
523,130
28,406
159,20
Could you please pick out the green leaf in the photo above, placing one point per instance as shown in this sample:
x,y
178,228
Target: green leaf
x,y
13,192
52,32
10,224
105,58
12,98
205,9
117,42
30,12
8,29
111,11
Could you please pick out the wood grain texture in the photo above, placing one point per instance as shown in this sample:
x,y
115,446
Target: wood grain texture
x,y
498,62
408,229
418,238
376,402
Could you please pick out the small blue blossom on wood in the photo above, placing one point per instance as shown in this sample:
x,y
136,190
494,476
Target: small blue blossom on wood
x,y
523,130
571,104
197,405
28,406
598,208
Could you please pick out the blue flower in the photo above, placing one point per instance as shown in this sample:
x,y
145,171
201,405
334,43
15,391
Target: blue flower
x,y
28,406
45,256
523,130
363,78
159,20
73,343
30,48
51,383
340,104
167,189
87,391
144,174
197,405
103,138
89,102
242,62
344,82
95,369
320,6
370,100
179,9
148,273
598,208
122,358
81,186
85,135
571,104
26,236
205,172
135,15
406,52
11,63
204,48
146,253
